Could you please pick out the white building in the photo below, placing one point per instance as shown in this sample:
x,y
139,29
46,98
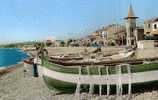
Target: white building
x,y
151,26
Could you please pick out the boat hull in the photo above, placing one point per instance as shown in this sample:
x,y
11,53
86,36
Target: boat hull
x,y
67,82
68,88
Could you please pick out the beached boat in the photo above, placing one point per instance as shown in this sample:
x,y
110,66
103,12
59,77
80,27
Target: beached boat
x,y
86,77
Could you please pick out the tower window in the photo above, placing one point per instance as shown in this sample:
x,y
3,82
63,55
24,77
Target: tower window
x,y
155,26
132,42
148,25
132,30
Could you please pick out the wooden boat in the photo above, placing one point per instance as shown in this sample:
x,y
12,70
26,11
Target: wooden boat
x,y
63,58
68,73
101,62
66,79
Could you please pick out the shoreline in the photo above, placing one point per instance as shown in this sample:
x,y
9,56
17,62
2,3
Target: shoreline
x,y
9,68
5,70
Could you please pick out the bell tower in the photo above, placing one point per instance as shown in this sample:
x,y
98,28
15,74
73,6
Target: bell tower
x,y
130,27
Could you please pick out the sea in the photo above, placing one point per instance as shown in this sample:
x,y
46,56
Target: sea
x,y
11,56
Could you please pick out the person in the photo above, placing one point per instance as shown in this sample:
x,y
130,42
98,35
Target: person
x,y
35,68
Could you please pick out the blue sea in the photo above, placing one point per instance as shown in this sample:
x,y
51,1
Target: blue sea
x,y
11,56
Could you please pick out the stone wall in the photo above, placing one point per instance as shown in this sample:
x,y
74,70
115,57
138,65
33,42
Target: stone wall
x,y
146,44
147,53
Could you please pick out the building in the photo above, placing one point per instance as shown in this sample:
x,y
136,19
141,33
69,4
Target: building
x,y
97,38
130,27
151,27
133,32
120,35
113,30
139,34
128,34
114,33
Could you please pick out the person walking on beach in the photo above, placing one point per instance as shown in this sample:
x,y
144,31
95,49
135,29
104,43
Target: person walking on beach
x,y
35,68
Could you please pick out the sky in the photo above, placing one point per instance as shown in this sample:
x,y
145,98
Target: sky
x,y
29,20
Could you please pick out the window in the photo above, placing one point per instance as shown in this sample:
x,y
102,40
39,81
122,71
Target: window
x,y
147,32
155,26
132,30
132,42
148,25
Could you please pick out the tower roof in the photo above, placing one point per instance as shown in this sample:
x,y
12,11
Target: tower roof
x,y
130,14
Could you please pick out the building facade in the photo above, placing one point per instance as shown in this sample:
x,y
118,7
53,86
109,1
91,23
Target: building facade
x,y
151,27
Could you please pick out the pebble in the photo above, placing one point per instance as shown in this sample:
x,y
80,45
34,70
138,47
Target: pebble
x,y
18,85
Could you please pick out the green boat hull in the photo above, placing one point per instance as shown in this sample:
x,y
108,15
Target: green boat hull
x,y
66,87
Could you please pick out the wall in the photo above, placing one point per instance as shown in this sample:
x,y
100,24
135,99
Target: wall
x,y
146,44
153,29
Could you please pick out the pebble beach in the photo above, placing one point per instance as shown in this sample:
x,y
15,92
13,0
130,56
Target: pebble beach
x,y
20,85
